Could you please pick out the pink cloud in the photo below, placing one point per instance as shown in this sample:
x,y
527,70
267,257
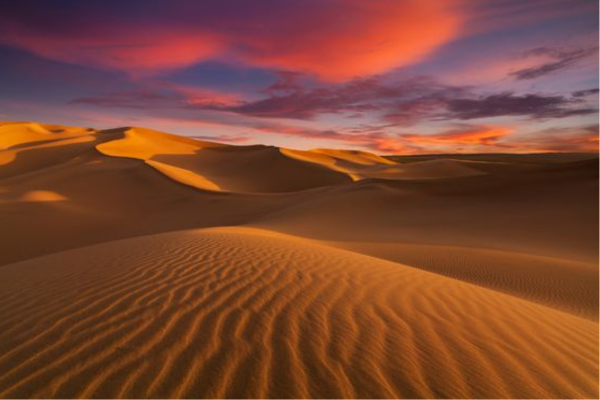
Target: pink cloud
x,y
373,140
225,138
355,37
481,135
134,50
572,139
334,40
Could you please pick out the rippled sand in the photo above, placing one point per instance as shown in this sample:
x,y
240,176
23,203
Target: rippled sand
x,y
140,264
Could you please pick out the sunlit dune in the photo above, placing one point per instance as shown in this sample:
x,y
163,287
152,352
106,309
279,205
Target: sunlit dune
x,y
356,164
360,165
354,156
144,143
20,133
141,264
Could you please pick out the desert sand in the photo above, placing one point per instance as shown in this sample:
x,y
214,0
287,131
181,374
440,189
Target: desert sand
x,y
137,263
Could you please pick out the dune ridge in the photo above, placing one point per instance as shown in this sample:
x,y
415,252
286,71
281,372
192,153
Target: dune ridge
x,y
138,263
14,134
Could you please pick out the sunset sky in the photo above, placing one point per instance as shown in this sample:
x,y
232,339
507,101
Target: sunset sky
x,y
387,76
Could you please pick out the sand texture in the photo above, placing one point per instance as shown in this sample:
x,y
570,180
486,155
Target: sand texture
x,y
139,264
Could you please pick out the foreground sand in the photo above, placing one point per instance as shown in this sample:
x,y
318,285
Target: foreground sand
x,y
140,264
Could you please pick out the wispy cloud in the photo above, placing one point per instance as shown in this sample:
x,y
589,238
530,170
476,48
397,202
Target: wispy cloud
x,y
484,135
373,140
397,103
509,104
586,92
571,139
561,59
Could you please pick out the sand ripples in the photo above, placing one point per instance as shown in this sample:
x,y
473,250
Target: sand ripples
x,y
243,313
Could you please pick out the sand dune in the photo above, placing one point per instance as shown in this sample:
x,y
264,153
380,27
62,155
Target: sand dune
x,y
566,285
144,143
232,312
136,263
361,165
19,133
548,212
218,167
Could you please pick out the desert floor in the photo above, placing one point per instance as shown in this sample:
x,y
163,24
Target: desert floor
x,y
135,263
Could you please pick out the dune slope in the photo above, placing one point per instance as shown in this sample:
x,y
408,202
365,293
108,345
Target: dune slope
x,y
136,263
233,312
566,285
216,167
15,134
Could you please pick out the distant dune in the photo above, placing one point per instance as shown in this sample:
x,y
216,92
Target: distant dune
x,y
137,263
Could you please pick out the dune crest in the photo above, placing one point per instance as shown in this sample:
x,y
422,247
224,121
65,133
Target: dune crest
x,y
217,167
19,133
361,165
143,144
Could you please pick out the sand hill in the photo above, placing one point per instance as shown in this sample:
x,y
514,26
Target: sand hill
x,y
136,263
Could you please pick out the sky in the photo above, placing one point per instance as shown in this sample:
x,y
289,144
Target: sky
x,y
385,76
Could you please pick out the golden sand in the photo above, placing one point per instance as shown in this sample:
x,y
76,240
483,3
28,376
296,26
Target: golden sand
x,y
136,263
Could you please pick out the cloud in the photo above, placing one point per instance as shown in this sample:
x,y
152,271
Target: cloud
x,y
484,135
463,139
394,103
341,39
561,59
287,98
88,35
372,140
335,40
401,102
509,104
356,96
570,139
375,139
405,102
161,95
499,15
225,138
585,93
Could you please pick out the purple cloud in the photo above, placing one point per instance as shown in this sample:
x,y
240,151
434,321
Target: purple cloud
x,y
562,59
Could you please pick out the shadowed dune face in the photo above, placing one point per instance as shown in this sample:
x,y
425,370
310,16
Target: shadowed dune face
x,y
136,263
244,313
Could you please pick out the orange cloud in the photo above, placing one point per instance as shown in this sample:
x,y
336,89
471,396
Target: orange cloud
x,y
371,140
356,38
137,52
568,139
334,40
483,136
